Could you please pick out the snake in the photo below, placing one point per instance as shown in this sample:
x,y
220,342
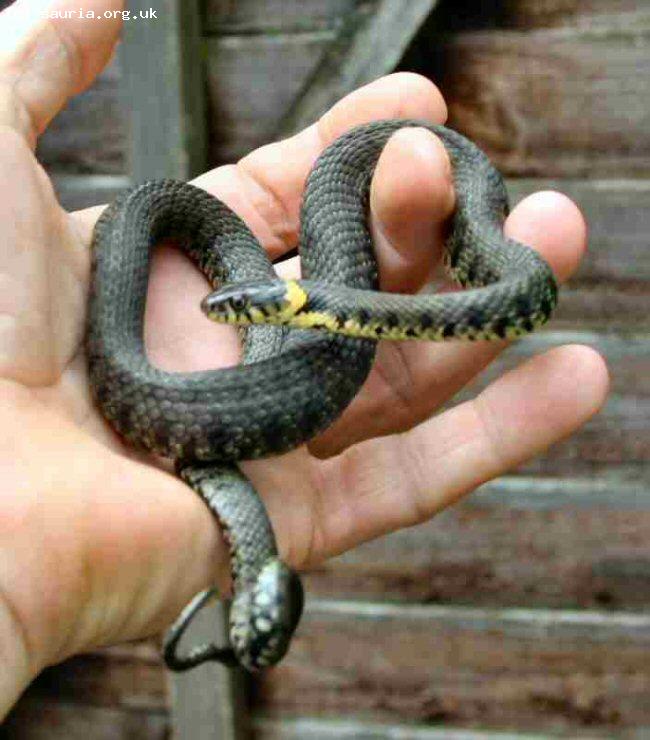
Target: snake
x,y
308,345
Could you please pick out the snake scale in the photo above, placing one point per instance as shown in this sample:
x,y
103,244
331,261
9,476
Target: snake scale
x,y
293,381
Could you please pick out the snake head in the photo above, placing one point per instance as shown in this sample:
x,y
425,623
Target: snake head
x,y
270,302
264,616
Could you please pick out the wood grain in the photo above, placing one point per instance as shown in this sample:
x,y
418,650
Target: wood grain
x,y
616,438
501,86
619,221
129,676
533,14
508,545
627,356
54,719
558,102
163,80
268,16
252,82
541,670
619,436
463,667
371,44
324,729
84,191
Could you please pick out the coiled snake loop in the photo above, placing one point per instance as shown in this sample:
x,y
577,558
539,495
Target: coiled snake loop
x,y
293,381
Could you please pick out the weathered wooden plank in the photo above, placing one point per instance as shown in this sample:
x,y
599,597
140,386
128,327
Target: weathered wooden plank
x,y
614,493
619,221
129,676
82,191
618,436
209,701
611,308
57,720
507,545
252,81
272,16
521,14
371,44
610,289
89,135
163,82
531,669
627,355
164,75
310,727
558,102
501,87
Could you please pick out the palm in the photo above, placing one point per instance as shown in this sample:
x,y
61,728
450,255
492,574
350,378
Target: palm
x,y
94,526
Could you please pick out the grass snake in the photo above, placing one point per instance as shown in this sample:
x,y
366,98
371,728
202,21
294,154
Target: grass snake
x,y
293,381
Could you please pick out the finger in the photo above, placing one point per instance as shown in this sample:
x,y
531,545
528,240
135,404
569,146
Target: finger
x,y
410,380
409,214
265,188
554,225
49,53
399,481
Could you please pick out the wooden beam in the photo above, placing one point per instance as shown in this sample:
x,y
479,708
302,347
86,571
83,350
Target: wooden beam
x,y
62,720
549,101
371,43
83,191
541,671
208,701
275,16
164,91
311,728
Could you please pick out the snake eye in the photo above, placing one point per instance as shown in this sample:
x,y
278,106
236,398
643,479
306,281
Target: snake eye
x,y
238,303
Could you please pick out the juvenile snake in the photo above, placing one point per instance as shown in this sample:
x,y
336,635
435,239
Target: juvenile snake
x,y
293,381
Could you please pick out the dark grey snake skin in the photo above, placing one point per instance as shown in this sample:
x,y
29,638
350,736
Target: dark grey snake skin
x,y
293,383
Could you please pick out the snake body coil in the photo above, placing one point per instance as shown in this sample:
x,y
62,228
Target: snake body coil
x,y
292,383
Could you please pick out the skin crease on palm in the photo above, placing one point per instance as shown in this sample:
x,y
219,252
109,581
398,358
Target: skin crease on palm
x,y
98,545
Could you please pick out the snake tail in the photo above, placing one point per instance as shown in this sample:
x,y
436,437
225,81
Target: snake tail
x,y
268,596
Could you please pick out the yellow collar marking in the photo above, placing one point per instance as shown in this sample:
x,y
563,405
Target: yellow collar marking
x,y
296,299
296,296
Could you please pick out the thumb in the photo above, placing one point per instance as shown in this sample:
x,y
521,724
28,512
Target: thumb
x,y
50,51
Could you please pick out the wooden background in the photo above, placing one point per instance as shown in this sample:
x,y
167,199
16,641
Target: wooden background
x,y
525,608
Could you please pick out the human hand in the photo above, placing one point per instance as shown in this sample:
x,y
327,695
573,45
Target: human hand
x,y
99,546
